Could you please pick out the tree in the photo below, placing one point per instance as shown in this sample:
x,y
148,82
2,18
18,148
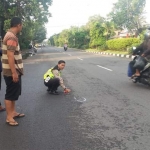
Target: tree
x,y
93,19
75,37
63,37
128,14
34,14
39,34
109,29
97,37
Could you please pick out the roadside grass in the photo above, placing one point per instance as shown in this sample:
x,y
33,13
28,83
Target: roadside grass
x,y
109,51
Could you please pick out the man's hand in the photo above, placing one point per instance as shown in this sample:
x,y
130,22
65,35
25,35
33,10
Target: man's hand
x,y
67,91
15,77
143,55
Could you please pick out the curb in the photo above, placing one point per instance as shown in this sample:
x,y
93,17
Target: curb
x,y
112,54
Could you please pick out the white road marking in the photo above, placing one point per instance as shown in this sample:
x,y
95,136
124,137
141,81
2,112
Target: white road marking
x,y
104,68
80,58
69,54
81,99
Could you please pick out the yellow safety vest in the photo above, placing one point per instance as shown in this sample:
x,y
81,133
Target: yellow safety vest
x,y
50,74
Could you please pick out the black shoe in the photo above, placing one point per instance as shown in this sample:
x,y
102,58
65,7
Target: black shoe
x,y
54,93
48,89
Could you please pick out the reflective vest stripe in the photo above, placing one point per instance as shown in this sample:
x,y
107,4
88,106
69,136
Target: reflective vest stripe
x,y
50,74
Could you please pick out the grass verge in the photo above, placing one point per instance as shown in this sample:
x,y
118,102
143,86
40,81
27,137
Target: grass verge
x,y
110,51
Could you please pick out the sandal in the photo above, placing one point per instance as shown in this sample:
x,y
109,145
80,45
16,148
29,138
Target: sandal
x,y
134,76
3,109
19,116
12,123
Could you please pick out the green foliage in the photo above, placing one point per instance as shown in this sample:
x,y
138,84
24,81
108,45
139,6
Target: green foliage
x,y
142,34
96,35
39,34
122,44
128,14
56,39
24,44
103,47
93,34
34,14
109,29
6,24
84,47
75,37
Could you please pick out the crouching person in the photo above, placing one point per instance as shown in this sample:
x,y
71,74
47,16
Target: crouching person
x,y
53,79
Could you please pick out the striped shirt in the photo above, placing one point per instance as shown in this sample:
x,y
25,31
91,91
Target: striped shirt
x,y
10,43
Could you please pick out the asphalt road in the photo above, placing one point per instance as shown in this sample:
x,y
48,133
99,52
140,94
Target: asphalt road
x,y
104,111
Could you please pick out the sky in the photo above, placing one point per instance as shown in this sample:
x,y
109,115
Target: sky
x,y
66,13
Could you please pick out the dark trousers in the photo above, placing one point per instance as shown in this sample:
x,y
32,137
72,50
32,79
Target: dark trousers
x,y
13,89
52,84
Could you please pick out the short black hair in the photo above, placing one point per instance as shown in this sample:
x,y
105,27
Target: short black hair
x,y
61,61
15,21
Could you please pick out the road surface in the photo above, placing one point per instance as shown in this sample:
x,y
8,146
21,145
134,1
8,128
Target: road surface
x,y
104,111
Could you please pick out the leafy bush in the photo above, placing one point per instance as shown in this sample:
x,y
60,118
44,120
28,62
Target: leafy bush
x,y
97,42
24,44
103,47
122,44
84,47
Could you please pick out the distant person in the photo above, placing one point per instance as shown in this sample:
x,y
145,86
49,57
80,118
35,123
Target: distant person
x,y
53,79
1,107
12,70
65,46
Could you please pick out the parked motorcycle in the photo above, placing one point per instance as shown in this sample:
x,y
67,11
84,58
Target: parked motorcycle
x,y
35,49
32,50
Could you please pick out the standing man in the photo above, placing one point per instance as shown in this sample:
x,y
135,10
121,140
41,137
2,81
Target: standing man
x,y
1,108
12,70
